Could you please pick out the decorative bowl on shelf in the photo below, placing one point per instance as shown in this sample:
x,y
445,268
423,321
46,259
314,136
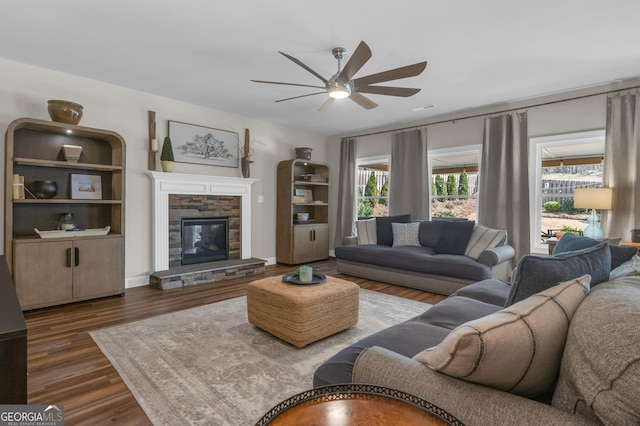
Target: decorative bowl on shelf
x,y
43,188
71,153
65,111
302,217
303,153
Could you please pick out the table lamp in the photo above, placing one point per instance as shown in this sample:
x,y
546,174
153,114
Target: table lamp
x,y
594,199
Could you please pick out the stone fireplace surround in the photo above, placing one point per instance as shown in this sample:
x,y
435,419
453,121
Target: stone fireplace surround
x,y
166,184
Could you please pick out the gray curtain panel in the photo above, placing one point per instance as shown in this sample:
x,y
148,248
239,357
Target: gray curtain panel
x,y
409,184
504,179
346,191
622,155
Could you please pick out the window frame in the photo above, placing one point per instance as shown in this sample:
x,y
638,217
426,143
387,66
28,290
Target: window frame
x,y
450,152
363,161
536,146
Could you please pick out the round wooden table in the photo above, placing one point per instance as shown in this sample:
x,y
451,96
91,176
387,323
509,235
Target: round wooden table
x,y
356,404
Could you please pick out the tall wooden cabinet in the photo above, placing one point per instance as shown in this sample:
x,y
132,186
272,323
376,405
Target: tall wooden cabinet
x,y
303,187
51,271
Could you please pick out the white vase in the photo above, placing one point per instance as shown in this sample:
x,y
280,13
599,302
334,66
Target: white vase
x,y
167,166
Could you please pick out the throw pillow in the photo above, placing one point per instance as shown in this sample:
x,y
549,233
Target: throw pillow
x,y
621,254
627,269
384,232
405,234
572,242
483,238
454,237
517,349
537,273
429,233
366,229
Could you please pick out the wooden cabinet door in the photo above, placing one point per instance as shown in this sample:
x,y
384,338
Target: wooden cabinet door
x,y
41,273
321,242
99,267
302,243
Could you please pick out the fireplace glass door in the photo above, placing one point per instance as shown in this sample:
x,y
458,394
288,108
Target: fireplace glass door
x,y
205,239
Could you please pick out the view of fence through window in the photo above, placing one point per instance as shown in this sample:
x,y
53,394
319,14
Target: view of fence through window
x,y
454,194
373,191
558,185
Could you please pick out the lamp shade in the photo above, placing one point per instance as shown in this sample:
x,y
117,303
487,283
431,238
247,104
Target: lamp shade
x,y
593,198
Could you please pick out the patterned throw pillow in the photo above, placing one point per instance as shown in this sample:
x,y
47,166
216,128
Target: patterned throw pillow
x,y
406,234
517,349
483,238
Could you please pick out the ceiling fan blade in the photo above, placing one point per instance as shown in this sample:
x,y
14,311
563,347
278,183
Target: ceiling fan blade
x,y
362,100
394,74
324,80
326,104
302,96
287,84
361,55
388,91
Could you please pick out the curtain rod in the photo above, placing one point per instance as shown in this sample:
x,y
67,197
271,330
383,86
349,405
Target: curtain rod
x,y
609,92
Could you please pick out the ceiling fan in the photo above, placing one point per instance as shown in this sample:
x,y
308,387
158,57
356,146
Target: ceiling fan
x,y
342,84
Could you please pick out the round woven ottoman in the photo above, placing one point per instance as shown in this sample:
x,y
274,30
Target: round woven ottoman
x,y
302,314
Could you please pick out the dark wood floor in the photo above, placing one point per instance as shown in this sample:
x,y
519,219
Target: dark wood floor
x,y
66,367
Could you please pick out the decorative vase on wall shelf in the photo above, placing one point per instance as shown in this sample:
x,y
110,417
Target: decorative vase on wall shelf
x,y
166,157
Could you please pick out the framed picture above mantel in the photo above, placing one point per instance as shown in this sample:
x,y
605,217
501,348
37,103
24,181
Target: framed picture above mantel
x,y
203,145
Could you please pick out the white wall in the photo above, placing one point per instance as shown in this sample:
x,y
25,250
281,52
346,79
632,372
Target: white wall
x,y
24,91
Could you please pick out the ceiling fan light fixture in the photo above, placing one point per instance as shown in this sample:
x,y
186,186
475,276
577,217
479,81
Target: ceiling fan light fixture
x,y
338,91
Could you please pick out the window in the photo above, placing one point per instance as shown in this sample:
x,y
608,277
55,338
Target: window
x,y
372,186
454,181
558,165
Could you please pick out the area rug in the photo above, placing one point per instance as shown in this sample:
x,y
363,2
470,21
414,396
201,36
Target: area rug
x,y
208,365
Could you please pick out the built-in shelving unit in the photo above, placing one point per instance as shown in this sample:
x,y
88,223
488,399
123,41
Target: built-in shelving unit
x,y
303,187
65,269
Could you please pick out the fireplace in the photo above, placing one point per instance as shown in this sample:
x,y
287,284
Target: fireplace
x,y
204,239
177,195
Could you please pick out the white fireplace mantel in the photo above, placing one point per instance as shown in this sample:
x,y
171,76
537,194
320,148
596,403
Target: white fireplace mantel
x,y
164,184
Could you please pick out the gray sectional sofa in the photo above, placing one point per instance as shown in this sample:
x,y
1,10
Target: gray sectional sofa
x,y
435,256
580,353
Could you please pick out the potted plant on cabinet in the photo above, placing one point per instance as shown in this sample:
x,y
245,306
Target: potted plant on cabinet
x,y
166,157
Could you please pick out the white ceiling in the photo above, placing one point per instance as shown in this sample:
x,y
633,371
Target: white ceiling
x,y
479,52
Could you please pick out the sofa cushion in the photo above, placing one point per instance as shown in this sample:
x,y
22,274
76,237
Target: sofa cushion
x,y
619,254
415,259
384,232
453,311
517,349
600,370
407,338
537,273
454,237
429,232
366,229
405,234
491,291
483,238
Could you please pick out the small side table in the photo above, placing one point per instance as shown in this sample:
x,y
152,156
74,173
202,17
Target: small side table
x,y
356,404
